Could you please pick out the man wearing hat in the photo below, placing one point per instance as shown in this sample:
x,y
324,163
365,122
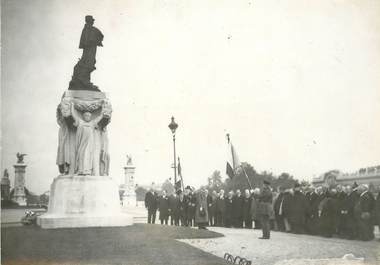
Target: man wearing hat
x,y
365,207
265,209
182,204
190,209
278,203
348,206
151,202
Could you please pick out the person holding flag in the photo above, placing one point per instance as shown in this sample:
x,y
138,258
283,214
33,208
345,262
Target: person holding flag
x,y
265,209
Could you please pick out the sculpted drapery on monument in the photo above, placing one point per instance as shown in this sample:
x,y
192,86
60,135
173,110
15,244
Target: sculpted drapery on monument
x,y
90,39
83,140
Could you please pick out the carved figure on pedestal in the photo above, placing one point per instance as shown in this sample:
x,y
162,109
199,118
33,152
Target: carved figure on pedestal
x,y
86,149
6,174
91,38
66,144
104,155
83,140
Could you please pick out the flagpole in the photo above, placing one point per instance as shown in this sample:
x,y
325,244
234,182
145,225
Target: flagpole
x,y
245,173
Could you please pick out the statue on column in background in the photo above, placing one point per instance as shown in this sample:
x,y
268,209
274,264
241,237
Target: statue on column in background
x,y
90,39
129,160
6,174
20,158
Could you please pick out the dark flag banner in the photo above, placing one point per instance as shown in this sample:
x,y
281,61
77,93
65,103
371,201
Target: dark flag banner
x,y
233,162
179,169
178,185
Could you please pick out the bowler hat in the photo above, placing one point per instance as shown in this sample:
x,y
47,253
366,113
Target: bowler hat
x,y
89,18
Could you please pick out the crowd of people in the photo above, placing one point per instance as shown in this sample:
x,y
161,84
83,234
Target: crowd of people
x,y
349,212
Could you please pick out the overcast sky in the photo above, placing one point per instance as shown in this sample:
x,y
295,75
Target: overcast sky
x,y
295,83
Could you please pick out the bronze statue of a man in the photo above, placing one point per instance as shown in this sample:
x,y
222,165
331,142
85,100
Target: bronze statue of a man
x,y
90,39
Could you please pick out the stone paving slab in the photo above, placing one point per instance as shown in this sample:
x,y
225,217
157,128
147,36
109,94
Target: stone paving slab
x,y
286,249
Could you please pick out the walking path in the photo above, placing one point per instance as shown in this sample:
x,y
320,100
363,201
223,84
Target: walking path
x,y
286,249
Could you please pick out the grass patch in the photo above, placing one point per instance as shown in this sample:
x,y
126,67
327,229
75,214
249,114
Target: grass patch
x,y
139,244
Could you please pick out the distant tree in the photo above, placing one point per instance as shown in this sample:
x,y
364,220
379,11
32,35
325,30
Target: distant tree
x,y
215,181
239,181
284,176
140,193
168,186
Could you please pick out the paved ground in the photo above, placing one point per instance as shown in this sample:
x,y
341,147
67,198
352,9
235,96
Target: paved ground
x,y
285,248
139,244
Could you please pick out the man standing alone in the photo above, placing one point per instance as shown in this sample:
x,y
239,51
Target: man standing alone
x,y
265,209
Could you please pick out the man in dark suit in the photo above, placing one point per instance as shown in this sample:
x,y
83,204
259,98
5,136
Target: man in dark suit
x,y
312,224
182,205
220,209
299,210
210,208
163,207
349,230
190,209
173,209
277,205
237,208
151,206
265,209
228,216
341,217
366,205
247,218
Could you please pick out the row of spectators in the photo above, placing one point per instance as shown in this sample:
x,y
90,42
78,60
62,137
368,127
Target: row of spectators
x,y
345,211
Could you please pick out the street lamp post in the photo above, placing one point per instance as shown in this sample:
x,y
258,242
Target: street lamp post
x,y
173,127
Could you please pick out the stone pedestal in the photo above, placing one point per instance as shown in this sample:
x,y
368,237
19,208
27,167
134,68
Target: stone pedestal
x,y
129,199
19,195
84,201
129,196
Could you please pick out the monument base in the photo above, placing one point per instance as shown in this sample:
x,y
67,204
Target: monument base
x,y
84,201
49,221
129,199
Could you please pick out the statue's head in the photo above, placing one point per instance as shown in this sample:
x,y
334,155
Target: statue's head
x,y
89,20
87,116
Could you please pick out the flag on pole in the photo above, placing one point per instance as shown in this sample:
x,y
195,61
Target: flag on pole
x,y
179,169
233,162
177,185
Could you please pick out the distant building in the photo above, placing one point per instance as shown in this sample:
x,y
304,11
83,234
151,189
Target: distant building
x,y
366,175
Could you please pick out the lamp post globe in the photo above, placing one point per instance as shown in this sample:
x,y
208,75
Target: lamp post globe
x,y
173,126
